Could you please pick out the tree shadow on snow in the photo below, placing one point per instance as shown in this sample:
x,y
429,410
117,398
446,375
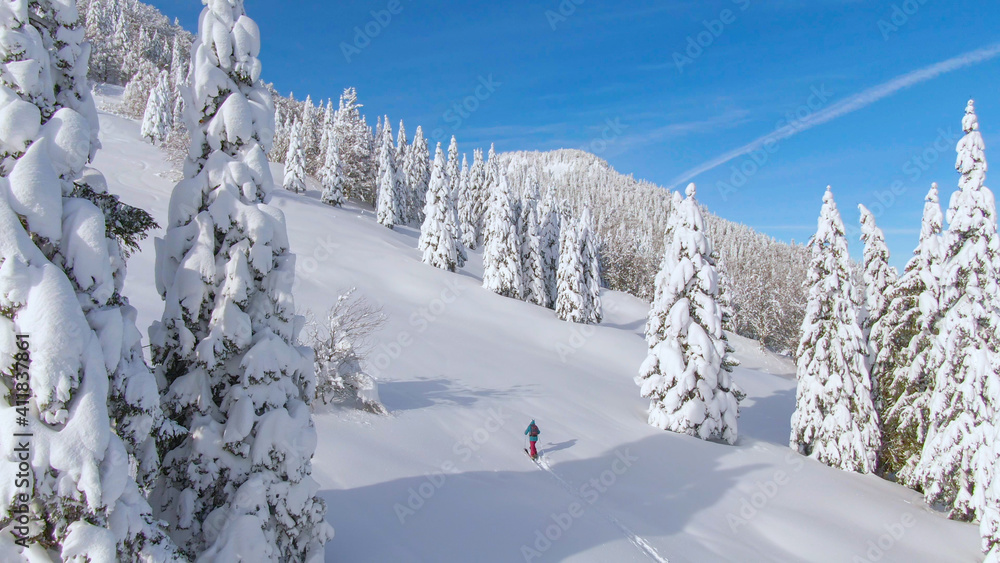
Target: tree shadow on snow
x,y
638,326
423,393
652,488
768,419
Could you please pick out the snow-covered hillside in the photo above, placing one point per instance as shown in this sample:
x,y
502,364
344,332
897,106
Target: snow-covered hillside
x,y
444,478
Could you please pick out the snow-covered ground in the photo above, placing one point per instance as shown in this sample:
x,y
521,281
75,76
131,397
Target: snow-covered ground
x,y
463,372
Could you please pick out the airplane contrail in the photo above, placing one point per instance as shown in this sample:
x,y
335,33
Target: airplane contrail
x,y
848,105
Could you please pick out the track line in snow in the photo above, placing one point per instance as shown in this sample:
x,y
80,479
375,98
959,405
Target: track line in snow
x,y
638,541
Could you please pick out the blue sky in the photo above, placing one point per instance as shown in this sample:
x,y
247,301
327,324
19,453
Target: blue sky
x,y
571,74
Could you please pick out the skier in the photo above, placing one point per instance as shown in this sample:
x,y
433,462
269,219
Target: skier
x,y
532,433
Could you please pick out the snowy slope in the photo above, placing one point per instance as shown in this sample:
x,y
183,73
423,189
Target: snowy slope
x,y
463,371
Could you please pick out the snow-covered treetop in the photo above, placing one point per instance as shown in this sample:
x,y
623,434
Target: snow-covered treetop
x,y
830,229
933,219
972,203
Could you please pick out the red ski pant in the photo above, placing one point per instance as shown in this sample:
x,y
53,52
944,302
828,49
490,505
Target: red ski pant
x,y
534,452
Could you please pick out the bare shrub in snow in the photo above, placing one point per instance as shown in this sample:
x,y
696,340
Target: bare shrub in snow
x,y
341,343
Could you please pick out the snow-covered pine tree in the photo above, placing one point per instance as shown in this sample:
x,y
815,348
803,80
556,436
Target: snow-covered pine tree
x,y
502,252
332,175
965,356
308,134
466,206
388,212
238,484
454,172
354,141
383,130
548,234
491,182
418,174
401,145
136,94
157,119
437,240
326,131
479,198
687,374
454,176
73,370
878,277
402,180
570,301
835,421
295,173
532,264
591,256
902,337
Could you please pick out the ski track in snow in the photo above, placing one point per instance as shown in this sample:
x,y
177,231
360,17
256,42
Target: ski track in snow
x,y
640,543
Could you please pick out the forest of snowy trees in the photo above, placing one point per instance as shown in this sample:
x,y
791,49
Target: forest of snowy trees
x,y
897,372
763,279
900,378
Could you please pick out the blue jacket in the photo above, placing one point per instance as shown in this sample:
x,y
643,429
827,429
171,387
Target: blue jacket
x,y
527,431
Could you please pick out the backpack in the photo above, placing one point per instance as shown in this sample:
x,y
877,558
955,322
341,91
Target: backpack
x,y
533,432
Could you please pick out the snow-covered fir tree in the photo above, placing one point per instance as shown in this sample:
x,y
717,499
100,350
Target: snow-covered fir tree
x,y
467,206
591,256
136,94
502,250
687,374
418,177
332,175
309,140
835,421
402,145
532,265
437,240
238,484
402,180
548,235
389,211
571,303
74,374
157,119
295,162
354,141
965,356
325,132
878,278
454,172
902,338
477,202
454,177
